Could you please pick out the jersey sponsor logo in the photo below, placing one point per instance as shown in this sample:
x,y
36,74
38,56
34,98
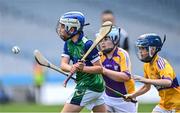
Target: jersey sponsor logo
x,y
108,65
116,68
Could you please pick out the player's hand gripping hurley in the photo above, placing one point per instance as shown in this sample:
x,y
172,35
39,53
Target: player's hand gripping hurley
x,y
103,31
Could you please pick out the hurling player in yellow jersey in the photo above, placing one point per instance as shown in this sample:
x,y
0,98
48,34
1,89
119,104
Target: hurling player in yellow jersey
x,y
157,72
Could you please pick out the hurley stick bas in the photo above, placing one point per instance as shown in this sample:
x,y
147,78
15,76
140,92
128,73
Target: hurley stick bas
x,y
44,62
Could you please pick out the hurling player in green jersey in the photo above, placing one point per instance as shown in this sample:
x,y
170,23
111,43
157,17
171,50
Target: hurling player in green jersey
x,y
90,85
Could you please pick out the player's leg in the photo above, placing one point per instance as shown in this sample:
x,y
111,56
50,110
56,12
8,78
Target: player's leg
x,y
93,101
71,108
100,109
83,97
73,104
110,109
158,109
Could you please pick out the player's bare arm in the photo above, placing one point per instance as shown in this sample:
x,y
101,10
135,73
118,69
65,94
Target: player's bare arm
x,y
159,82
96,68
117,76
65,64
142,90
139,92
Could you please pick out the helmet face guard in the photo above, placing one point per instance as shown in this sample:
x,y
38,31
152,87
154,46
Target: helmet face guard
x,y
71,20
70,23
147,46
114,36
145,54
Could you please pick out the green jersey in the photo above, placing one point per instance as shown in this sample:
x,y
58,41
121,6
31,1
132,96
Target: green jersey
x,y
75,52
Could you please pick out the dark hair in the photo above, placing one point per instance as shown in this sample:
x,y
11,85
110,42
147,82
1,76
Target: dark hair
x,y
107,12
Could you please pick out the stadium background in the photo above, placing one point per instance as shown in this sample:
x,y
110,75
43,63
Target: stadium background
x,y
30,24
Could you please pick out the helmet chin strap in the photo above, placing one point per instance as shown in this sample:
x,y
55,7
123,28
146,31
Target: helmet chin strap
x,y
164,40
65,39
106,51
149,58
70,36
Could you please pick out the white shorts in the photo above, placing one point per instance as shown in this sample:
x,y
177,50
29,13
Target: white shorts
x,y
160,110
86,98
119,105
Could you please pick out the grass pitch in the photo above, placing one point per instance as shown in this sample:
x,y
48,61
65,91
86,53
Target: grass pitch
x,y
25,107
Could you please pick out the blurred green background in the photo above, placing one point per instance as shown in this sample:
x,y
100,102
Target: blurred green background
x,y
25,107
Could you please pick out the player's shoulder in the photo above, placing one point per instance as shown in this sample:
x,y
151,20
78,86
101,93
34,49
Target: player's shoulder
x,y
85,39
160,62
122,52
88,42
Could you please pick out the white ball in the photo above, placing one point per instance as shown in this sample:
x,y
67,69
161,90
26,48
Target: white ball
x,y
15,49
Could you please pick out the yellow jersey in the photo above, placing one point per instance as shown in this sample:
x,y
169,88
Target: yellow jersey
x,y
159,68
120,62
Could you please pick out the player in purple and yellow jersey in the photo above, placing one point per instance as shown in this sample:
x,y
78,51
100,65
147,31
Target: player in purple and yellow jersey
x,y
116,73
157,72
90,85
